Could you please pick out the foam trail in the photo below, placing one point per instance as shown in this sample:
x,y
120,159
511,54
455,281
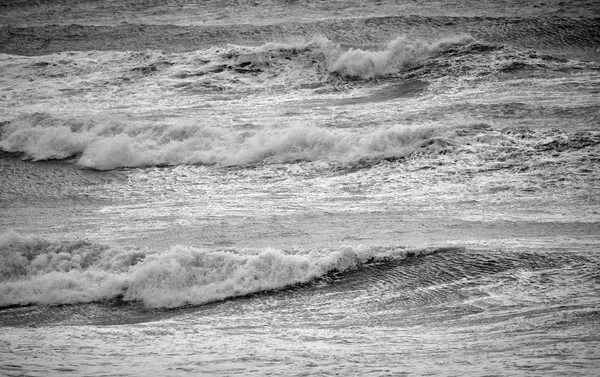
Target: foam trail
x,y
38,271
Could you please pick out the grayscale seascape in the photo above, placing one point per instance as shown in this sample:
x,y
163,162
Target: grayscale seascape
x,y
298,188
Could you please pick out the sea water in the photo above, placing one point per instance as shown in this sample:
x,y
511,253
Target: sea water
x,y
384,189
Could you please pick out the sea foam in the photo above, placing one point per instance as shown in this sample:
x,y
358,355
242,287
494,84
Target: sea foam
x,y
398,54
39,271
103,145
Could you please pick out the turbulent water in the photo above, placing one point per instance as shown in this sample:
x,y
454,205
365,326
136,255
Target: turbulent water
x,y
306,189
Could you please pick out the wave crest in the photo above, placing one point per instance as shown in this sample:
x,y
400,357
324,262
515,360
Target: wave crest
x,y
399,53
105,145
37,271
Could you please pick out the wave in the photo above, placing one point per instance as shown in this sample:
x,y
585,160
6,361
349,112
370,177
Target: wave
x,y
398,54
296,63
105,146
317,63
101,145
39,271
324,55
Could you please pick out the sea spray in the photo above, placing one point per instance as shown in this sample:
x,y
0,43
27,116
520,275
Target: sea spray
x,y
399,53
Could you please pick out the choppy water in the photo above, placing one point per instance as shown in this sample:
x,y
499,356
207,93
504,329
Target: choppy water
x,y
350,194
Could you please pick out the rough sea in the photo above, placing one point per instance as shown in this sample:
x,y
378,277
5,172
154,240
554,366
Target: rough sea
x,y
365,188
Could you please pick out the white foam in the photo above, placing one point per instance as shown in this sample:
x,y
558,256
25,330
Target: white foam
x,y
36,271
398,54
43,137
105,146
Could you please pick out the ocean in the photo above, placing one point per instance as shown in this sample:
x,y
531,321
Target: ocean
x,y
298,188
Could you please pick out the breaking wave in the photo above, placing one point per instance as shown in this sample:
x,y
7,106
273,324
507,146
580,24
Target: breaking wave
x,y
38,271
293,64
110,145
106,146
398,54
